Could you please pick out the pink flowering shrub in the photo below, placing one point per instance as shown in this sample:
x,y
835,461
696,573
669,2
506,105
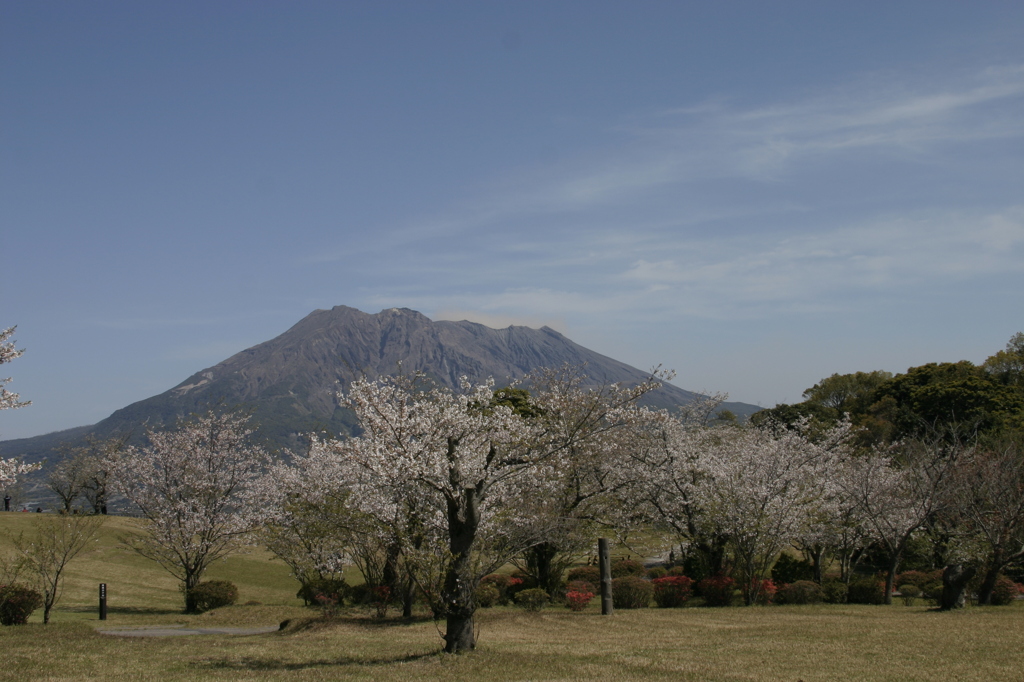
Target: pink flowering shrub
x,y
672,591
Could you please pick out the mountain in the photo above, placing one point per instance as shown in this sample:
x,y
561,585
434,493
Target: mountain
x,y
291,382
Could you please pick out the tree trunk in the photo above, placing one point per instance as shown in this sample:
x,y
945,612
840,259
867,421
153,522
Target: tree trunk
x,y
890,577
539,559
954,584
459,593
408,597
988,583
191,581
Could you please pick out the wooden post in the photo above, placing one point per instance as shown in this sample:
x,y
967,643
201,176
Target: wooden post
x,y
103,601
604,561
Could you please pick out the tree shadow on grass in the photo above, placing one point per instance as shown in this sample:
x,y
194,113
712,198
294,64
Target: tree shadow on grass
x,y
140,610
253,663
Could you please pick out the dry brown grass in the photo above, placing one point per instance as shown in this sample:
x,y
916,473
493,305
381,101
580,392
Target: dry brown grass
x,y
773,643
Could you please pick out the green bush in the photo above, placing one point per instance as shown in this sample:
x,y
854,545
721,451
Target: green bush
x,y
789,569
631,592
1004,592
627,567
908,593
487,595
533,599
800,592
656,572
866,591
588,574
17,603
676,570
213,594
834,591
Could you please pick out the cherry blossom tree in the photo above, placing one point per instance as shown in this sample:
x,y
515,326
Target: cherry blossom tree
x,y
10,469
459,480
898,491
8,352
195,485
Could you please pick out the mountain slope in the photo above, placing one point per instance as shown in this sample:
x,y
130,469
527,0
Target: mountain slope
x,y
291,382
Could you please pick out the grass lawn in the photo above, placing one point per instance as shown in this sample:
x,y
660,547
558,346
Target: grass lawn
x,y
761,643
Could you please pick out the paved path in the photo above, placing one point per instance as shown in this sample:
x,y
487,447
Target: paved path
x,y
179,630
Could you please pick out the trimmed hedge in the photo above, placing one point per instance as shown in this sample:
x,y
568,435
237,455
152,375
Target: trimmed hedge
x,y
866,591
213,594
631,592
533,599
800,592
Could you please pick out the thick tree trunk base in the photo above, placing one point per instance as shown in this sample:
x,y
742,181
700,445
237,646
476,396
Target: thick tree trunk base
x,y
460,635
954,584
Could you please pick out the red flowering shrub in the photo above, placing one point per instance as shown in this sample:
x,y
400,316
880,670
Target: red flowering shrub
x,y
717,591
577,600
1004,592
380,599
767,592
672,591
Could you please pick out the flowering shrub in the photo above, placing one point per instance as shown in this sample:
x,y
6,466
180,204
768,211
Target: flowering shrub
x,y
487,595
17,603
672,591
380,598
329,605
717,591
624,567
800,592
501,583
213,594
333,587
1004,592
918,578
533,599
631,592
588,574
767,592
577,600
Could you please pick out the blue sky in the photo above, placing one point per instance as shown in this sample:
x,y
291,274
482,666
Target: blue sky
x,y
754,194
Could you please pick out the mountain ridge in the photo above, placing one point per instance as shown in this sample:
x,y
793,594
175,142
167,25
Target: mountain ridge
x,y
291,382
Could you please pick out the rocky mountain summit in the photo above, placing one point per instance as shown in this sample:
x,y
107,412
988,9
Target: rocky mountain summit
x,y
291,382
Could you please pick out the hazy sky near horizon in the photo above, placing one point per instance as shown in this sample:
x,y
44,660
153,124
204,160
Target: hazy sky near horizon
x,y
754,194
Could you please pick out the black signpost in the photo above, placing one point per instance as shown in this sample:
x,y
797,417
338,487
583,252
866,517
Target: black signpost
x,y
103,601
604,562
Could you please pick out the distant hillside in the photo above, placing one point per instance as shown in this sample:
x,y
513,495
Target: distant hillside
x,y
290,383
